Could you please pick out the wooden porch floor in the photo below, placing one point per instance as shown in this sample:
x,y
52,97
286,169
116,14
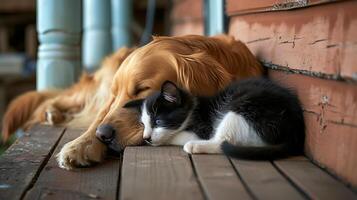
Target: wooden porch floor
x,y
28,170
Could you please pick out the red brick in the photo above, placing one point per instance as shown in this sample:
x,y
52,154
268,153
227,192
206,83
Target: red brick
x,y
319,38
188,28
331,118
333,146
187,10
187,17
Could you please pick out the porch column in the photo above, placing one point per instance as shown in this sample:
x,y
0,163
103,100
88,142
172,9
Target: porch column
x,y
97,40
121,17
214,17
59,33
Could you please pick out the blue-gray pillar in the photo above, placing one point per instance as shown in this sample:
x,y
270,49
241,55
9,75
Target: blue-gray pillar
x,y
122,11
214,17
97,38
59,33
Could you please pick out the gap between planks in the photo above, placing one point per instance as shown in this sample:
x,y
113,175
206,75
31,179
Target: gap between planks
x,y
119,176
22,162
158,173
218,178
198,180
264,181
204,180
94,182
43,164
312,180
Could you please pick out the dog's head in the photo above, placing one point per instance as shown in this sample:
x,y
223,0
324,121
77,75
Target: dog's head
x,y
198,64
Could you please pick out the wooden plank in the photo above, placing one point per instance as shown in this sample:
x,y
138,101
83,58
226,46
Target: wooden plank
x,y
218,178
312,180
331,121
24,160
235,7
319,39
158,173
99,182
264,181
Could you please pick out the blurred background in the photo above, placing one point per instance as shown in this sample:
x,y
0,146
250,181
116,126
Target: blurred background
x,y
19,38
18,49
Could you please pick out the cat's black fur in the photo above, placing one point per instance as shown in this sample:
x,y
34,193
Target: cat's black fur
x,y
274,111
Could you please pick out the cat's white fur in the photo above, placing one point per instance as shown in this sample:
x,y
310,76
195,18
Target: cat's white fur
x,y
145,119
232,128
160,136
183,137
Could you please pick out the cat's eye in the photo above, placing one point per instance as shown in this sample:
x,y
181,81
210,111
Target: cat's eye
x,y
158,122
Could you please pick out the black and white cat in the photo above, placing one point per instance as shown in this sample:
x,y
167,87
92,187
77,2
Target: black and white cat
x,y
251,119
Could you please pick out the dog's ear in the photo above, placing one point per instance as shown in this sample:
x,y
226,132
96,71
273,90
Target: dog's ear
x,y
170,92
200,74
136,104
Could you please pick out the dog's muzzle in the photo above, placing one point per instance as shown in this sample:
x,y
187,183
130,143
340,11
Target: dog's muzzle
x,y
106,134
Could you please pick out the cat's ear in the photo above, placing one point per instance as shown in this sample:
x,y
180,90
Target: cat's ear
x,y
134,104
170,92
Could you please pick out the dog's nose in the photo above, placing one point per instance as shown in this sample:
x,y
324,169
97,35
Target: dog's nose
x,y
105,133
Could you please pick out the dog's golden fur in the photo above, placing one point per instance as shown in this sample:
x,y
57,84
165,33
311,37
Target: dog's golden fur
x,y
74,107
20,111
201,65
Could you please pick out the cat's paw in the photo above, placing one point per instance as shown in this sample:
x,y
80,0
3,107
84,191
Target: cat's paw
x,y
193,147
188,147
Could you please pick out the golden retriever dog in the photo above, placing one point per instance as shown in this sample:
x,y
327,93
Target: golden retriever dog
x,y
201,65
73,107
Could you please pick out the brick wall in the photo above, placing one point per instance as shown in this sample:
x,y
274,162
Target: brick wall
x,y
187,17
314,51
311,49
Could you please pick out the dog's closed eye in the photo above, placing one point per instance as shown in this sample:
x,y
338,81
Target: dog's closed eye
x,y
139,90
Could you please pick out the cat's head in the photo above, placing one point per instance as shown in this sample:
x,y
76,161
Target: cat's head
x,y
164,113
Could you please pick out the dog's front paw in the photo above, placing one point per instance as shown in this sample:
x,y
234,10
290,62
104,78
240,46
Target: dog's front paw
x,y
54,116
81,152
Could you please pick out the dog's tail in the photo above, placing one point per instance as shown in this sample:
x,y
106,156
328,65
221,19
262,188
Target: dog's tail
x,y
20,110
270,152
